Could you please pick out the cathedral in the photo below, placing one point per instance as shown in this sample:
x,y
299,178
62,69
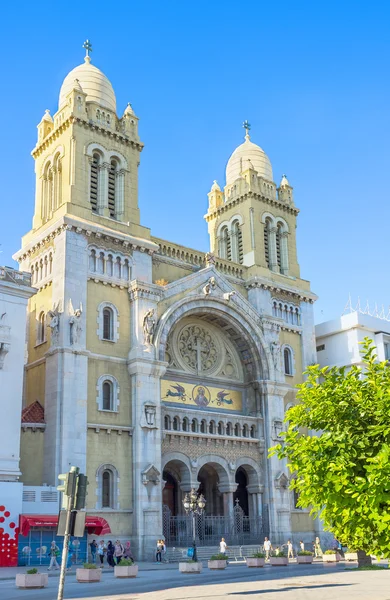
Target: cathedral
x,y
156,368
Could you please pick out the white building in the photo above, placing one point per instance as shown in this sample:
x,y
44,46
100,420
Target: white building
x,y
15,290
338,341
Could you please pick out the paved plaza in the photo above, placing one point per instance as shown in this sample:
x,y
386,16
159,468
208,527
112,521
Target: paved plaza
x,y
237,582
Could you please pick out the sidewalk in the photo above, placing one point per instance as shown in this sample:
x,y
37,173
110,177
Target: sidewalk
x,y
10,572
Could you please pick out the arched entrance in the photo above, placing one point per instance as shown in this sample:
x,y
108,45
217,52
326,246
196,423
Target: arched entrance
x,y
208,486
241,493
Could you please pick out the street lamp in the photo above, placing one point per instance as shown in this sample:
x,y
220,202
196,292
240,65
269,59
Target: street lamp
x,y
194,504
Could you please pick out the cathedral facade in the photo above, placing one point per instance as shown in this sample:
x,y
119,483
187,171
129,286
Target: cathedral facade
x,y
159,368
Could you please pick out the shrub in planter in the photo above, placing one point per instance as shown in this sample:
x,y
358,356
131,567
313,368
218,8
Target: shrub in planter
x,y
190,566
88,574
331,556
304,557
278,559
31,579
351,555
217,561
256,560
126,568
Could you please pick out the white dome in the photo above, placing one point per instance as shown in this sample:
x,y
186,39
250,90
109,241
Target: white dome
x,y
245,156
93,82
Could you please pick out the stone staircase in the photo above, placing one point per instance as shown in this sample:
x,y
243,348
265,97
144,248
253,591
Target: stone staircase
x,y
234,553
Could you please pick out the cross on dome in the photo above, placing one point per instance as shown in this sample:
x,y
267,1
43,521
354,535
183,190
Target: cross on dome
x,y
88,48
246,125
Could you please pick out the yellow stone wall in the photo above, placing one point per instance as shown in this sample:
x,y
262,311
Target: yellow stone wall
x,y
96,368
293,340
31,456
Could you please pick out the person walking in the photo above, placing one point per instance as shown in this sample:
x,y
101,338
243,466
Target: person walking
x,y
93,545
290,553
301,546
70,556
118,552
110,554
53,553
267,548
159,551
223,547
101,550
127,553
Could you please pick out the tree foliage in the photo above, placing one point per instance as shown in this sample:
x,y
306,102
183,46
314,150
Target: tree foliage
x,y
337,448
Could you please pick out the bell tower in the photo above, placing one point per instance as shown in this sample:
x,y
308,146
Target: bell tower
x,y
86,156
252,222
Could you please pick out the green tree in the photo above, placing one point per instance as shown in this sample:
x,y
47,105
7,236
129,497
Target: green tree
x,y
337,448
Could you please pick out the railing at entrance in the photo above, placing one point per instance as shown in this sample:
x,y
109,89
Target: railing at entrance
x,y
237,529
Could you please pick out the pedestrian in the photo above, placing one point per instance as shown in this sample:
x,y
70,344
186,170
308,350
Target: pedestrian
x,y
110,554
93,545
127,553
53,553
267,548
118,552
317,548
101,550
163,551
223,547
301,546
70,556
290,553
158,551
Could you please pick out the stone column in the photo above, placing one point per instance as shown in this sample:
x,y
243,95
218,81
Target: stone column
x,y
284,253
276,482
228,502
102,201
120,195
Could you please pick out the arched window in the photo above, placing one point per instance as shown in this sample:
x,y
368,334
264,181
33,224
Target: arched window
x,y
167,422
185,425
203,426
106,489
176,424
194,425
94,183
274,309
224,244
220,428
108,321
92,261
109,265
237,430
267,241
282,247
245,431
112,188
287,356
229,429
278,246
107,395
108,324
41,328
236,245
253,431
57,169
212,427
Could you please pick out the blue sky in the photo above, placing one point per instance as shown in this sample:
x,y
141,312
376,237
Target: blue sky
x,y
312,79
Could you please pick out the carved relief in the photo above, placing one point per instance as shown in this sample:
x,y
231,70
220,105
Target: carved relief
x,y
195,448
198,349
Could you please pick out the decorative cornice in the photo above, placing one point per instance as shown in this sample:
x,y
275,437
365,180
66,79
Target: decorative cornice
x,y
231,203
141,289
33,426
89,229
117,136
108,428
303,296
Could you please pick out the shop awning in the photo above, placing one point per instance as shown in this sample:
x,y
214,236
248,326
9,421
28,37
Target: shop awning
x,y
96,525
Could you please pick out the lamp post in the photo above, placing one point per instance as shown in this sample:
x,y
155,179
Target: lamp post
x,y
194,504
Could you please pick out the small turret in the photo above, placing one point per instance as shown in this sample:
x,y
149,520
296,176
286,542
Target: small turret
x,y
215,197
129,122
46,126
285,191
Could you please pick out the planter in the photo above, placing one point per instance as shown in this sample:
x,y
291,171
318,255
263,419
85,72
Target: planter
x,y
328,558
255,562
127,571
25,581
351,556
277,561
216,564
88,575
187,567
301,560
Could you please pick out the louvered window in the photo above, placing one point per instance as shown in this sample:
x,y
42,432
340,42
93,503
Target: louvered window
x,y
111,188
94,182
266,242
278,251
